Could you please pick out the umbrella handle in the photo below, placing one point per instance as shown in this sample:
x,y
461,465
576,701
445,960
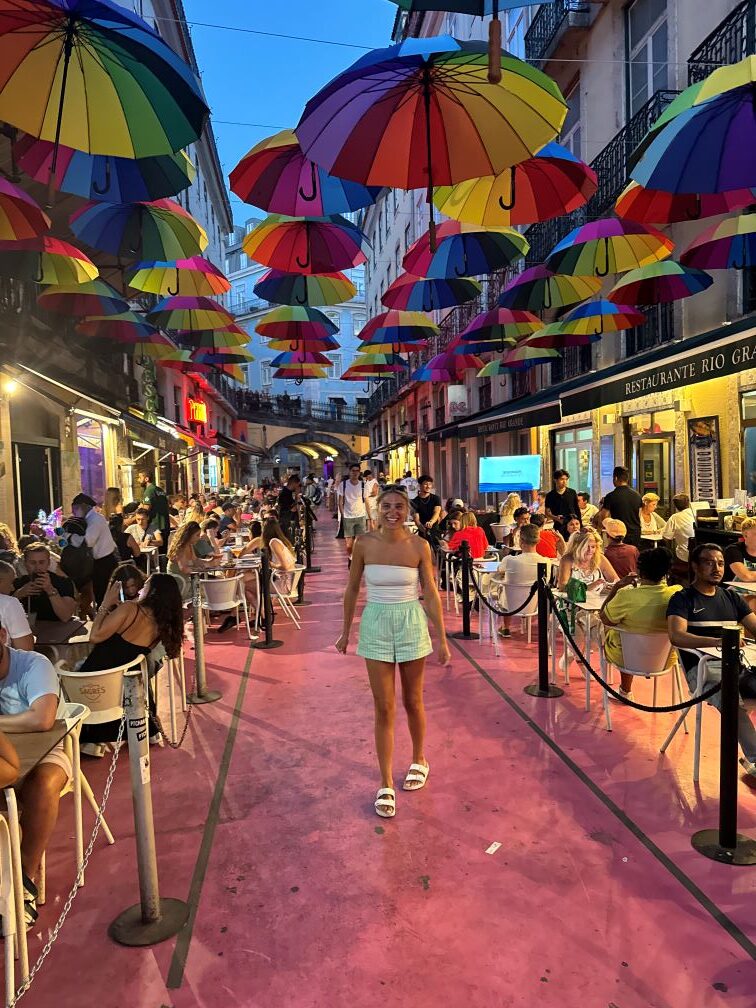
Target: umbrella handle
x,y
741,265
429,307
464,264
106,187
696,215
366,390
512,197
547,294
306,263
309,197
171,292
300,301
40,272
494,47
597,271
600,330
299,381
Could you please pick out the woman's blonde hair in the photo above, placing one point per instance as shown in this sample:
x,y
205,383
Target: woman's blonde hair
x,y
194,513
112,500
180,539
468,520
578,546
7,534
747,523
509,507
393,488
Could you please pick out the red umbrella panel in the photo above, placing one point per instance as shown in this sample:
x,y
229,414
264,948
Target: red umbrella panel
x,y
307,244
20,217
654,206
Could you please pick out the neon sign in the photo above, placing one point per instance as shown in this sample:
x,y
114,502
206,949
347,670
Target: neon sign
x,y
197,411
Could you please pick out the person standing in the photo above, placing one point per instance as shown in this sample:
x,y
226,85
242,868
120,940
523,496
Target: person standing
x,y
624,504
678,531
561,502
587,510
394,632
154,497
351,501
426,509
371,498
288,497
100,540
410,484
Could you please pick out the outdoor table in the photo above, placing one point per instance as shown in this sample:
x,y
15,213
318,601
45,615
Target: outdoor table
x,y
749,587
55,640
651,537
149,552
32,747
593,603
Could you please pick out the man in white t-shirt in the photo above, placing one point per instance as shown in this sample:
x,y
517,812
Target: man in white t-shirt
x,y
521,573
410,484
371,499
12,614
351,498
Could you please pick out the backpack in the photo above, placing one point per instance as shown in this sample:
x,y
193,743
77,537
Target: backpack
x,y
76,557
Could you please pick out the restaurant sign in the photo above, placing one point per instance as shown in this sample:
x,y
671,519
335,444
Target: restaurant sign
x,y
549,413
197,410
684,369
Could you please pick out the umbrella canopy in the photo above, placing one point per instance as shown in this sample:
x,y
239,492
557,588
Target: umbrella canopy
x,y
464,250
94,297
446,367
277,177
290,357
502,325
496,368
99,177
158,230
401,346
607,246
554,337
552,183
654,206
412,293
299,289
295,321
730,244
296,342
55,55
128,327
658,283
46,260
398,327
306,244
190,313
525,356
20,217
599,317
423,113
194,277
229,336
538,288
237,355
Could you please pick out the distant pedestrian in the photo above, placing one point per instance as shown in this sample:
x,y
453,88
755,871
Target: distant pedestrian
x,y
561,502
624,504
352,509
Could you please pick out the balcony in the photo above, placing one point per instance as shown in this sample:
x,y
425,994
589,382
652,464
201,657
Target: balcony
x,y
658,328
731,41
552,23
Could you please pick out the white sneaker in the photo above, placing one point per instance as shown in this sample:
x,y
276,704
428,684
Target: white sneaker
x,y
625,694
749,768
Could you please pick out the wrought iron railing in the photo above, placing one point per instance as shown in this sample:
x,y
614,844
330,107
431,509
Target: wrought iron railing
x,y
547,24
249,403
732,40
574,361
659,328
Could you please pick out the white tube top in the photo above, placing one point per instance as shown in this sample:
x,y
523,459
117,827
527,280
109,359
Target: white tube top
x,y
388,583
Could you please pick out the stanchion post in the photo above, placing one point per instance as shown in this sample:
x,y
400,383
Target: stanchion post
x,y
202,694
301,549
268,643
543,688
152,919
725,844
464,633
309,569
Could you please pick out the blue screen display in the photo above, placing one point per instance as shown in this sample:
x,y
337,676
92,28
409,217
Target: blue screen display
x,y
507,473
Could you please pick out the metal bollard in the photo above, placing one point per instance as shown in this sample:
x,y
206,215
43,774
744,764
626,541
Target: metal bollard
x,y
153,919
202,695
543,688
268,643
309,569
301,552
725,844
464,633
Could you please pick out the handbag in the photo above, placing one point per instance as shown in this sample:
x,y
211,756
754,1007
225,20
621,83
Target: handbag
x,y
747,680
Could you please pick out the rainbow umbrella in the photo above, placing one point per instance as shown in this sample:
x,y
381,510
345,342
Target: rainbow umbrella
x,y
501,325
658,283
190,313
423,113
654,206
163,353
46,260
158,230
730,244
524,356
228,336
607,246
299,289
127,327
464,250
238,355
300,373
401,346
291,357
93,297
554,337
277,177
20,217
288,320
606,315
91,75
446,367
412,293
399,327
195,277
316,344
306,244
538,288
552,183
99,177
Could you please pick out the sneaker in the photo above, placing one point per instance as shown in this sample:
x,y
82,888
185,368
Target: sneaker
x,y
750,770
228,622
625,694
92,749
505,632
30,902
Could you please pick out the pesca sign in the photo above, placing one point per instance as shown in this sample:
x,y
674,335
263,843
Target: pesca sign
x,y
196,410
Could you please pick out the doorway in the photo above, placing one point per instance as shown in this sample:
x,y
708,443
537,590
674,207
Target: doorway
x,y
36,475
652,450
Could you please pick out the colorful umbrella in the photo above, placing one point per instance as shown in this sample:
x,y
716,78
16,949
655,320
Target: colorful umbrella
x,y
446,367
20,217
464,250
399,327
228,336
91,75
46,260
297,289
306,244
94,297
291,357
554,337
502,325
607,246
316,344
190,313
412,293
300,373
552,183
524,356
127,327
658,283
496,368
195,277
538,288
277,177
238,355
730,244
654,206
159,230
296,321
423,113
99,177
599,317
400,346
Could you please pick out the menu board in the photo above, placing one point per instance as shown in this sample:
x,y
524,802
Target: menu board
x,y
705,464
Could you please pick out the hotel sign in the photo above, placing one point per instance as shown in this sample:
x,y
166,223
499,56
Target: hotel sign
x,y
197,410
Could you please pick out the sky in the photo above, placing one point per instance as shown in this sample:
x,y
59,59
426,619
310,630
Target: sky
x,y
263,80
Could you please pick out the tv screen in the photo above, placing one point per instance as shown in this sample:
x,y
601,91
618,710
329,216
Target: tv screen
x,y
507,473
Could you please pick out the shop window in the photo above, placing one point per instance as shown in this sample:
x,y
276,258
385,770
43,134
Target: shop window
x,y
572,449
649,450
647,48
89,440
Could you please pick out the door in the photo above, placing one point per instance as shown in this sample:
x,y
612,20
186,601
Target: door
x,y
37,481
653,470
463,481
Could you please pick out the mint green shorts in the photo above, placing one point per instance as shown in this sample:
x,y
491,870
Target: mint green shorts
x,y
394,632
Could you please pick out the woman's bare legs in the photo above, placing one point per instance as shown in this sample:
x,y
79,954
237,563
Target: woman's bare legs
x,y
381,675
412,696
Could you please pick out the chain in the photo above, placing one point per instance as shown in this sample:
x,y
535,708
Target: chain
x,y
159,724
495,609
72,894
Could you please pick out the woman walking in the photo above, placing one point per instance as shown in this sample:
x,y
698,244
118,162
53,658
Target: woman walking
x,y
394,631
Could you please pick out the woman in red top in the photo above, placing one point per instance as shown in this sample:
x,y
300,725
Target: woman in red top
x,y
471,533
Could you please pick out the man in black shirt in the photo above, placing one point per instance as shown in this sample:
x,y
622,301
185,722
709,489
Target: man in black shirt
x,y
561,503
287,505
427,510
623,504
48,595
228,522
694,620
740,557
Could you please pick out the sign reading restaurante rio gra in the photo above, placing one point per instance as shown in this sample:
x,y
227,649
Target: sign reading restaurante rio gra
x,y
196,410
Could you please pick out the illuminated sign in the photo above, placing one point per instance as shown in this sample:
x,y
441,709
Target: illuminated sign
x,y
197,411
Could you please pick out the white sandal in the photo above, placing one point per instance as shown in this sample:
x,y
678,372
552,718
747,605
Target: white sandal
x,y
416,777
385,803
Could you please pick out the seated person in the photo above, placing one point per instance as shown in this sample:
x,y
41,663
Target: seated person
x,y
637,604
28,703
10,764
520,517
229,523
210,544
740,561
521,572
450,523
587,510
572,524
27,540
468,532
48,595
182,559
694,618
9,548
550,543
12,613
145,531
585,562
126,545
130,579
621,556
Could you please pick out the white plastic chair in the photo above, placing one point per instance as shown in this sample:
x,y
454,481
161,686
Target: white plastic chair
x,y
650,659
226,595
701,681
515,593
500,531
284,586
11,931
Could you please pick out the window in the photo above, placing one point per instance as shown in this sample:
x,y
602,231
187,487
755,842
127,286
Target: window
x,y
266,376
647,51
241,293
398,254
177,404
572,450
484,394
334,369
571,137
359,322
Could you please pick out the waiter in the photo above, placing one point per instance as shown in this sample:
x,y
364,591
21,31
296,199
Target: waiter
x,y
99,540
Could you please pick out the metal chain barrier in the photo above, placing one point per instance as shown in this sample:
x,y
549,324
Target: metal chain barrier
x,y
74,890
159,724
495,609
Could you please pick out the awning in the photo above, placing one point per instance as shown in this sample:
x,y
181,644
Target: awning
x,y
143,431
64,395
516,419
233,444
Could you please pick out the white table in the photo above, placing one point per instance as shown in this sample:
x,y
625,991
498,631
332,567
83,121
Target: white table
x,y
749,587
654,537
150,552
592,605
